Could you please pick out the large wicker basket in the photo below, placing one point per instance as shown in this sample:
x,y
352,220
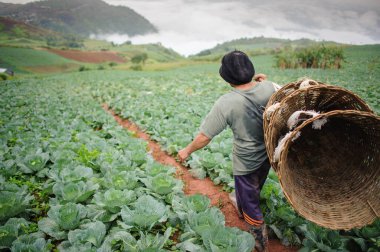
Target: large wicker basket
x,y
320,98
328,158
331,175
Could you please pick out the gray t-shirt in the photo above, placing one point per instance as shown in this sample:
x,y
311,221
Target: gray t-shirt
x,y
237,110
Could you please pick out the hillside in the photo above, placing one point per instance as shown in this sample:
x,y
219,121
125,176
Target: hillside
x,y
17,33
254,46
16,28
81,17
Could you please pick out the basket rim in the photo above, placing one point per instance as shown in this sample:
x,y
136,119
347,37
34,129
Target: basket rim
x,y
299,81
267,123
307,89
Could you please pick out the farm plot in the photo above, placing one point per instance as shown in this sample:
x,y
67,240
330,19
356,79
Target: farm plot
x,y
72,179
171,111
64,158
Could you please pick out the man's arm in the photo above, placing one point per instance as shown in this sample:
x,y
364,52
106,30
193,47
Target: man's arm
x,y
199,142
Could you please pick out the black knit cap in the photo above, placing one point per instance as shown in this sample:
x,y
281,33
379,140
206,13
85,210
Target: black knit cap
x,y
236,68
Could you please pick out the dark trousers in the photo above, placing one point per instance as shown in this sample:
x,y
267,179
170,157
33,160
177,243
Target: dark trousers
x,y
247,188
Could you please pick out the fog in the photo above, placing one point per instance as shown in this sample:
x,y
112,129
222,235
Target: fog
x,y
189,26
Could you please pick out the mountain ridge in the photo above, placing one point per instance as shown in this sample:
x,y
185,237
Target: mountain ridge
x,y
80,17
256,46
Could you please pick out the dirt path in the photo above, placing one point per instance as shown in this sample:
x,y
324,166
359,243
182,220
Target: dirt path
x,y
193,185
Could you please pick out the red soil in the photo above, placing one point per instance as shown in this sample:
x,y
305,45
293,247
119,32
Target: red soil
x,y
89,57
218,197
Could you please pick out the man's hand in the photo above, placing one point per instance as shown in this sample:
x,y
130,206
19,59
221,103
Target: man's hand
x,y
260,77
199,142
183,155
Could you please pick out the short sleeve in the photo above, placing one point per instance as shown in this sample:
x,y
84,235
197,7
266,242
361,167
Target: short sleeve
x,y
214,123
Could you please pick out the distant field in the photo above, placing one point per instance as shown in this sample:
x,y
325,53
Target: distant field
x,y
95,56
25,59
89,56
360,72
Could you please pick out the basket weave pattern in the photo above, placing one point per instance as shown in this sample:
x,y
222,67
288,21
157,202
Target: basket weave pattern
x,y
320,99
329,166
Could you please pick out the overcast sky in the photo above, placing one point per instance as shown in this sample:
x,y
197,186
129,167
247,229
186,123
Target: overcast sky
x,y
189,26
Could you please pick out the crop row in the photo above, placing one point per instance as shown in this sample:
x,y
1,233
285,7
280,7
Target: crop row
x,y
62,156
74,180
171,110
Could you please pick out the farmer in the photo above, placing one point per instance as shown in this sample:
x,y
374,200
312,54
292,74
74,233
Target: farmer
x,y
241,109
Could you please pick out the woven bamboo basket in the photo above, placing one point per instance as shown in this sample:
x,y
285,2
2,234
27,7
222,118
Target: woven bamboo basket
x,y
285,91
331,175
318,98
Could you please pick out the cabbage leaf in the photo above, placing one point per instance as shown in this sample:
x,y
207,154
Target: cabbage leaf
x,y
13,200
112,200
145,212
62,218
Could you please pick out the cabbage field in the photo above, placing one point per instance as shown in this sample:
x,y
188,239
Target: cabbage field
x,y
72,179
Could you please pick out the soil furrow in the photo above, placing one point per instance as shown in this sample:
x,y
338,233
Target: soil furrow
x,y
218,197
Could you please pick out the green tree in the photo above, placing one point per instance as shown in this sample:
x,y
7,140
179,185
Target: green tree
x,y
139,58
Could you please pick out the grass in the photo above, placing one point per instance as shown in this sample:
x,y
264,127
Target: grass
x,y
156,52
61,68
20,42
21,58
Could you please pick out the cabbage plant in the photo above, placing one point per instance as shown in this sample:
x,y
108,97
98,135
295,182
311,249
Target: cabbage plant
x,y
116,162
93,232
227,239
34,242
75,191
197,203
145,213
34,162
205,231
121,180
62,218
112,200
151,242
138,157
69,174
66,246
200,222
120,240
163,184
13,200
153,168
11,230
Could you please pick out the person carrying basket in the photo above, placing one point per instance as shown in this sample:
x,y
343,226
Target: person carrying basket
x,y
241,110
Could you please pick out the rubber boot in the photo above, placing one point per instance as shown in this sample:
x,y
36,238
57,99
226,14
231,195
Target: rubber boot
x,y
261,237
